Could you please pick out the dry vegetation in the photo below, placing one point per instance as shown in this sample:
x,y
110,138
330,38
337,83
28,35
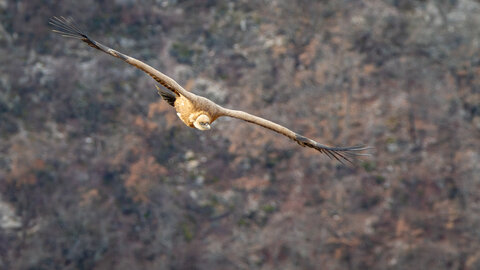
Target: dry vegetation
x,y
97,173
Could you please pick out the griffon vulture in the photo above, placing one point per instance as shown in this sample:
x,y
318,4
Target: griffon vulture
x,y
196,111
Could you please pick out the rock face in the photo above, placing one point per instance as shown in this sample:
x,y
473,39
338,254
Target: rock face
x,y
8,219
97,172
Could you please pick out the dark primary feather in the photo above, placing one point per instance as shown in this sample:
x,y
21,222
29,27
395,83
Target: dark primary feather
x,y
341,154
66,27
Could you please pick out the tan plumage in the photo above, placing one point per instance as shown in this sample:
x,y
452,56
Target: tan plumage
x,y
196,111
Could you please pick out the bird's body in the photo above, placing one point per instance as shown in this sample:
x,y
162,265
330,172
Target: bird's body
x,y
188,111
196,111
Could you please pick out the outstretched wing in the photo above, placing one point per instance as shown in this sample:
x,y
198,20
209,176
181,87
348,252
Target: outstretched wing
x,y
67,28
339,153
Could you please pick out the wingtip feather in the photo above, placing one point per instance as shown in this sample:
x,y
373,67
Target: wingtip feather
x,y
341,154
66,27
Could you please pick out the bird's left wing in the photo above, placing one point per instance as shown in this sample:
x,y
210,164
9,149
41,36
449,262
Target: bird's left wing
x,y
67,28
341,154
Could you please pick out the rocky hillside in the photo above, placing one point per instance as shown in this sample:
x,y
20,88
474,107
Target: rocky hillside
x,y
96,172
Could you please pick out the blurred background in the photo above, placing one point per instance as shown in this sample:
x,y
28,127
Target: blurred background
x,y
96,172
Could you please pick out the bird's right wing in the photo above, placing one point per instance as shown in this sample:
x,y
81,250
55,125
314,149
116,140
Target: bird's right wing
x,y
67,28
341,154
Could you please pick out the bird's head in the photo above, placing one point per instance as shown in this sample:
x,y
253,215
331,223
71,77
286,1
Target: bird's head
x,y
202,122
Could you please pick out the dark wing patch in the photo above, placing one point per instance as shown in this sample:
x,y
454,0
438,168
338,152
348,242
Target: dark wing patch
x,y
168,96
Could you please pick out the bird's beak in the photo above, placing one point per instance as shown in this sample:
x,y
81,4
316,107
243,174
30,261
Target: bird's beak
x,y
201,127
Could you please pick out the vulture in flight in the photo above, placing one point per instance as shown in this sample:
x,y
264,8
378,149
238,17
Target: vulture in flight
x,y
199,112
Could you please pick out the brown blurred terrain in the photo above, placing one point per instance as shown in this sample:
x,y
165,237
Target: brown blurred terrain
x,y
96,172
